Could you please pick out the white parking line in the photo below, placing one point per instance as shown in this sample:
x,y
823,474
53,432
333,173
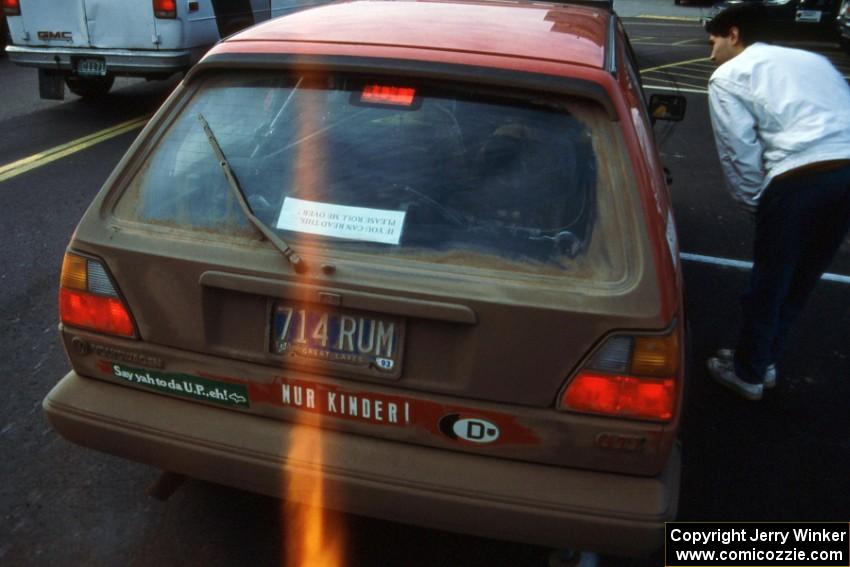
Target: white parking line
x,y
697,41
674,89
705,65
679,74
688,19
651,22
675,64
659,44
742,265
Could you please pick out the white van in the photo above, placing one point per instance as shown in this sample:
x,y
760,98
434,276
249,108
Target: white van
x,y
86,43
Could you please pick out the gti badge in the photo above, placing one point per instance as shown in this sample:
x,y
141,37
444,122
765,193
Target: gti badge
x,y
472,429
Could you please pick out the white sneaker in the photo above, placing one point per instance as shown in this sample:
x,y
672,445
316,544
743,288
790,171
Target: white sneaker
x,y
769,379
723,371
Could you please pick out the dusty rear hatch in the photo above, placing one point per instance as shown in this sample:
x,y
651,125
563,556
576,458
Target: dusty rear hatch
x,y
89,23
466,248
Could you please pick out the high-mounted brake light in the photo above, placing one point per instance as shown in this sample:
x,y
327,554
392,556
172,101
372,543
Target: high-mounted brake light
x,y
630,376
383,94
87,298
165,9
12,7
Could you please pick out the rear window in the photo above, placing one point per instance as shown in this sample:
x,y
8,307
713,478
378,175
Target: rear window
x,y
417,170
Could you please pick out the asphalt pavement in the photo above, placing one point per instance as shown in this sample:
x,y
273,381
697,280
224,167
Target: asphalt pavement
x,y
784,459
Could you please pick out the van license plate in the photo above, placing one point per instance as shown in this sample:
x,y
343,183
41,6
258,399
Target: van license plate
x,y
812,16
367,343
91,67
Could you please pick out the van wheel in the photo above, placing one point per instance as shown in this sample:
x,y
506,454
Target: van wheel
x,y
89,87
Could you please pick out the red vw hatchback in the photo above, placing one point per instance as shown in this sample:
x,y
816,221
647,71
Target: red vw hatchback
x,y
436,235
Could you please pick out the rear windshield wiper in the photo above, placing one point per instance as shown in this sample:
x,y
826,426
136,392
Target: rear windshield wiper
x,y
297,263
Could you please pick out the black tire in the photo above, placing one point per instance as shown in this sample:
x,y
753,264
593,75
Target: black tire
x,y
4,35
89,87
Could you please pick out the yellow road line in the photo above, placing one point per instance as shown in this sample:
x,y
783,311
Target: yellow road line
x,y
674,64
16,168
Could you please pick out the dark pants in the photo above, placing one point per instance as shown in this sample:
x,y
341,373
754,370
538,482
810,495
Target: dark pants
x,y
801,222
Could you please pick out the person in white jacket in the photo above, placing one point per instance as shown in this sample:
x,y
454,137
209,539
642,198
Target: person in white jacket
x,y
781,120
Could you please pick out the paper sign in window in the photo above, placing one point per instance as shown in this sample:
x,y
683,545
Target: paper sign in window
x,y
339,221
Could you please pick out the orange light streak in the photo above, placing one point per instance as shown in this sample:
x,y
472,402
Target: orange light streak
x,y
313,535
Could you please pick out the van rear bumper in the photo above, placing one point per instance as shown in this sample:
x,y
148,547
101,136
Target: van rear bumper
x,y
485,496
119,61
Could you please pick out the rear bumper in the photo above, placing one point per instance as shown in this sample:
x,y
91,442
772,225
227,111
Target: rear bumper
x,y
539,504
122,61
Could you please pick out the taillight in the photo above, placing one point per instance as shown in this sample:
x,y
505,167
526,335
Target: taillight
x,y
165,9
87,298
12,7
632,377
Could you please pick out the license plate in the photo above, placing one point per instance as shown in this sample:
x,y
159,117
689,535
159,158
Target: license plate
x,y
813,16
366,343
91,67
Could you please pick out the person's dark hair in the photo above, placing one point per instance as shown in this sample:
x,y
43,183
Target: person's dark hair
x,y
748,17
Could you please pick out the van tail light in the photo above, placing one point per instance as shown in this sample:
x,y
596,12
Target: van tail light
x,y
12,7
633,377
164,9
87,298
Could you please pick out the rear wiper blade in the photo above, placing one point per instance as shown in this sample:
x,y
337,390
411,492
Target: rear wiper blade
x,y
297,263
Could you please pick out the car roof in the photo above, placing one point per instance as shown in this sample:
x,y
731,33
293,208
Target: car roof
x,y
561,33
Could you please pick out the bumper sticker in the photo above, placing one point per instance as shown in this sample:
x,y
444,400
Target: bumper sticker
x,y
203,389
330,401
456,424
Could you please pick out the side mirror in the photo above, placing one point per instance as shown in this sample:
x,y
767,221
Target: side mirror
x,y
667,107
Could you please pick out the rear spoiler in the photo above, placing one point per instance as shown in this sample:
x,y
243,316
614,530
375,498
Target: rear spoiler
x,y
412,68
